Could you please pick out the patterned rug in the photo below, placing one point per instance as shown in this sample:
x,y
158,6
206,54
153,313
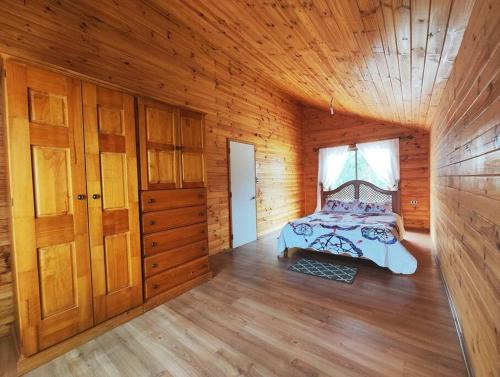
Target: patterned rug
x,y
325,270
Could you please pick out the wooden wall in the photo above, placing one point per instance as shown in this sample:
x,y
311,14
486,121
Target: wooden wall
x,y
6,293
465,187
323,130
163,58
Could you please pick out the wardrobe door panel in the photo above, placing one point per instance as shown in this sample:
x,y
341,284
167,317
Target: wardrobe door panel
x,y
159,154
192,145
113,200
49,207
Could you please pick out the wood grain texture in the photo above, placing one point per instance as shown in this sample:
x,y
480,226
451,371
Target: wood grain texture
x,y
48,214
383,59
140,47
8,357
465,187
113,193
322,130
255,318
6,289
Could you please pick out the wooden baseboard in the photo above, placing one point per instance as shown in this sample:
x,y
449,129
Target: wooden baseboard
x,y
176,291
25,364
458,327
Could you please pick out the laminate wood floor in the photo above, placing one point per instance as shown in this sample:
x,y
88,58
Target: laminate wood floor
x,y
255,318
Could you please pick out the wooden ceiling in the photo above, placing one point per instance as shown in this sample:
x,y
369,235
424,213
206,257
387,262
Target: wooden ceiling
x,y
388,60
383,59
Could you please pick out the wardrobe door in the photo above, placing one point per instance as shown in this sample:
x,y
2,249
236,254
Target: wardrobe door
x,y
192,142
158,139
109,124
49,208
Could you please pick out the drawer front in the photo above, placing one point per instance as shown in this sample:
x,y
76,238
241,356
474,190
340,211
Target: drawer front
x,y
173,218
169,199
178,275
175,257
155,243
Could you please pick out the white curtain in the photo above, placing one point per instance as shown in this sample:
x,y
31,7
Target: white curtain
x,y
383,158
331,163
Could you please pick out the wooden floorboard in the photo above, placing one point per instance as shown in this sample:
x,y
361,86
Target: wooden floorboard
x,y
256,318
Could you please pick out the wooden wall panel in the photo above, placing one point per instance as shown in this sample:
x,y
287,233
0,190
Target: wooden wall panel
x,y
6,292
465,187
323,130
136,47
161,57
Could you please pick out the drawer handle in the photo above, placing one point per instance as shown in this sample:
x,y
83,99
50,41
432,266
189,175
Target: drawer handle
x,y
156,286
203,248
202,231
154,265
151,200
154,244
152,222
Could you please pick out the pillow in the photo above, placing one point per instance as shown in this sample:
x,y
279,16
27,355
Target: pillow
x,y
333,205
379,207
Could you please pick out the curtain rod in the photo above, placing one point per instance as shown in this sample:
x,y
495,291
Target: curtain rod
x,y
409,137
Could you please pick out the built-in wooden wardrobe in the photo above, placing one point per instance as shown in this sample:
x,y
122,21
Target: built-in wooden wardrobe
x,y
75,216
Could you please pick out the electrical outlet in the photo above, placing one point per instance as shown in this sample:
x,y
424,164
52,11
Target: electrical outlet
x,y
414,202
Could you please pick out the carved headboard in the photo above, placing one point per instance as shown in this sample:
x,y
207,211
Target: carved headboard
x,y
365,192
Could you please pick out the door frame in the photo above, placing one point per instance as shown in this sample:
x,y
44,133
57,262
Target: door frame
x,y
229,193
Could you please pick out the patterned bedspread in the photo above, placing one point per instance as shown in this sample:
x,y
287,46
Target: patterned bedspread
x,y
372,236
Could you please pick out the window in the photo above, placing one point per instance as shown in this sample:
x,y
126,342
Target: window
x,y
356,167
376,162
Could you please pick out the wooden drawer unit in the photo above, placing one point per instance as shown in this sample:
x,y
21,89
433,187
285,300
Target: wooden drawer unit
x,y
169,199
173,218
169,279
155,243
174,257
173,200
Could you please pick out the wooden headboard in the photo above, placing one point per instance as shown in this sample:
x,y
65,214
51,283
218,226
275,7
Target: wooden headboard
x,y
364,192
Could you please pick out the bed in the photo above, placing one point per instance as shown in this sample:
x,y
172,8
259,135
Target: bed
x,y
372,231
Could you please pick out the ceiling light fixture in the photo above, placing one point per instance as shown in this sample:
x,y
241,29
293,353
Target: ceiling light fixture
x,y
331,107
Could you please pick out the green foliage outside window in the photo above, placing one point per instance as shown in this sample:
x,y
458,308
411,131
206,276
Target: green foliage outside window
x,y
356,167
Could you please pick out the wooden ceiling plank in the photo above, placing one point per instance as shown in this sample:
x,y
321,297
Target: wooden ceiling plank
x,y
438,24
370,43
419,30
402,24
386,29
368,10
381,100
347,13
349,71
459,18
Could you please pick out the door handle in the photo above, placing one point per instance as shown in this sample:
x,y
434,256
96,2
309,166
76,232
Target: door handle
x,y
81,196
252,198
96,196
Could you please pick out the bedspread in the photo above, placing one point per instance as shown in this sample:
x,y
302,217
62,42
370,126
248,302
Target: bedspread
x,y
373,236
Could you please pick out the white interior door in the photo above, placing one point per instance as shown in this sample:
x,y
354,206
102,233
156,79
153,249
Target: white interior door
x,y
243,205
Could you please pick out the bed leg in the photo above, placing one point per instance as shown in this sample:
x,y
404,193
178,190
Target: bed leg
x,y
284,255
